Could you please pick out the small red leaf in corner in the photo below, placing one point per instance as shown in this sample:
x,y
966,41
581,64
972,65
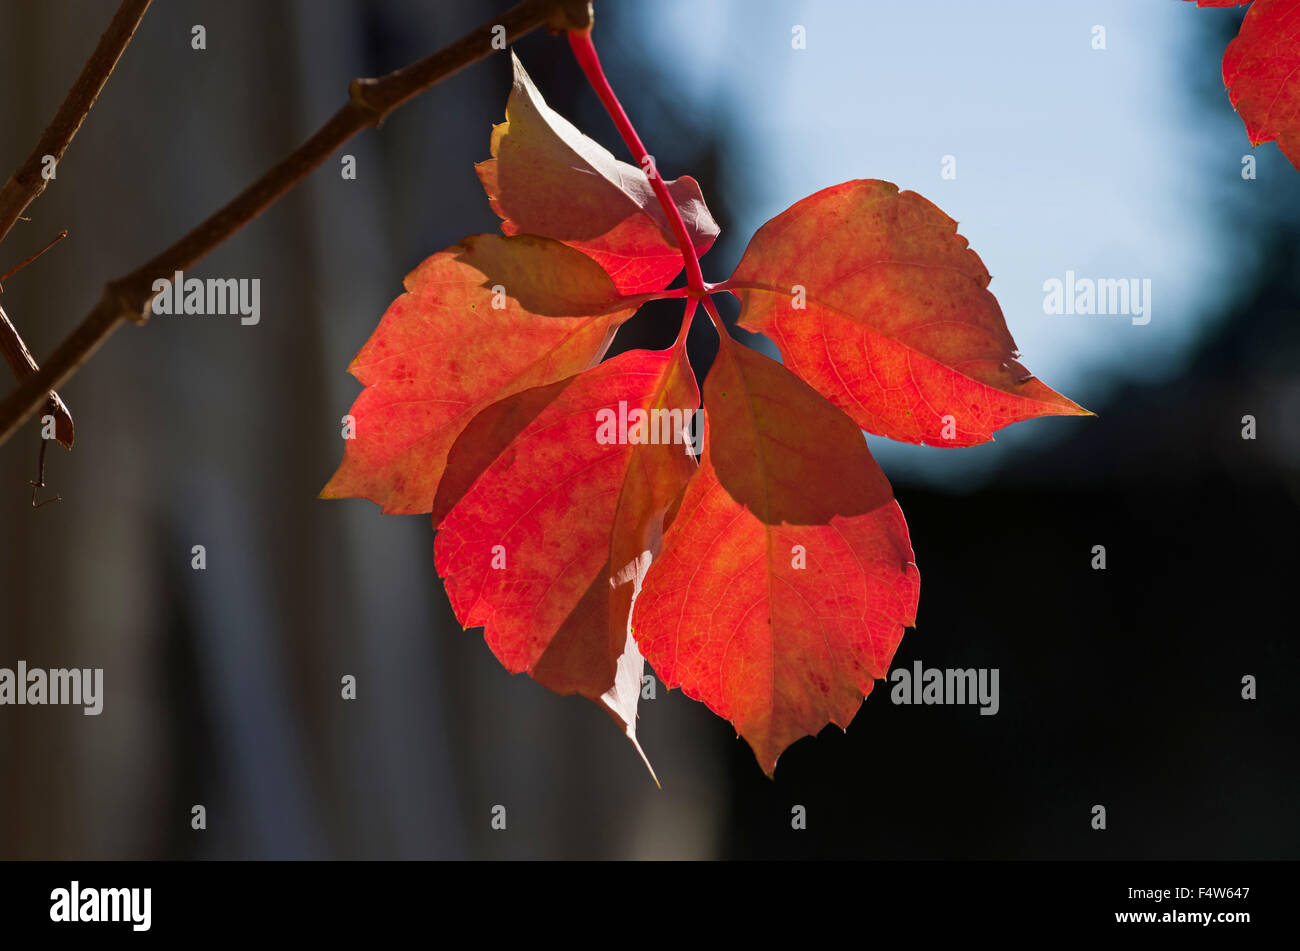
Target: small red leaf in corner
x,y
1261,70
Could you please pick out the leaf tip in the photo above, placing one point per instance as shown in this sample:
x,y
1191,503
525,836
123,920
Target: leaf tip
x,y
630,733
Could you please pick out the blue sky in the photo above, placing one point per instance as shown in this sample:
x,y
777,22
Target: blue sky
x,y
1103,162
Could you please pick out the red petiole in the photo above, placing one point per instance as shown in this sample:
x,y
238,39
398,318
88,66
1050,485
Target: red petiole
x,y
680,342
697,288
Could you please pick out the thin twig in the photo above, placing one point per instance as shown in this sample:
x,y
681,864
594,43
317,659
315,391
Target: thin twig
x,y
20,361
28,182
40,480
369,101
30,258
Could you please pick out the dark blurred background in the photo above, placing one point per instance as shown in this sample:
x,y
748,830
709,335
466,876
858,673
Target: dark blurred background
x,y
1119,687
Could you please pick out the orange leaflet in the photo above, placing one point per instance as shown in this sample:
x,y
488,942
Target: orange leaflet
x,y
479,322
875,300
547,178
787,576
546,548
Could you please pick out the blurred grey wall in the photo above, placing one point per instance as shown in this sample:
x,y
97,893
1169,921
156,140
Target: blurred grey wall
x,y
223,685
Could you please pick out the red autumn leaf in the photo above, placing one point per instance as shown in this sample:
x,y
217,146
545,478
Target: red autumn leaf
x,y
1261,70
875,300
547,546
547,178
780,589
451,345
786,577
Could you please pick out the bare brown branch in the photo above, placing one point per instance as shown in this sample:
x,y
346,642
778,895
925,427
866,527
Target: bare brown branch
x,y
27,183
369,101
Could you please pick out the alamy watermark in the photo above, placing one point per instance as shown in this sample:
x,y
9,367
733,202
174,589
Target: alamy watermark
x,y
640,427
78,904
36,687
1102,297
213,297
952,685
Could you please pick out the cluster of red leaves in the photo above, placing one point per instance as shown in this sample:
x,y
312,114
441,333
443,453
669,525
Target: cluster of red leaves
x,y
773,577
1261,70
